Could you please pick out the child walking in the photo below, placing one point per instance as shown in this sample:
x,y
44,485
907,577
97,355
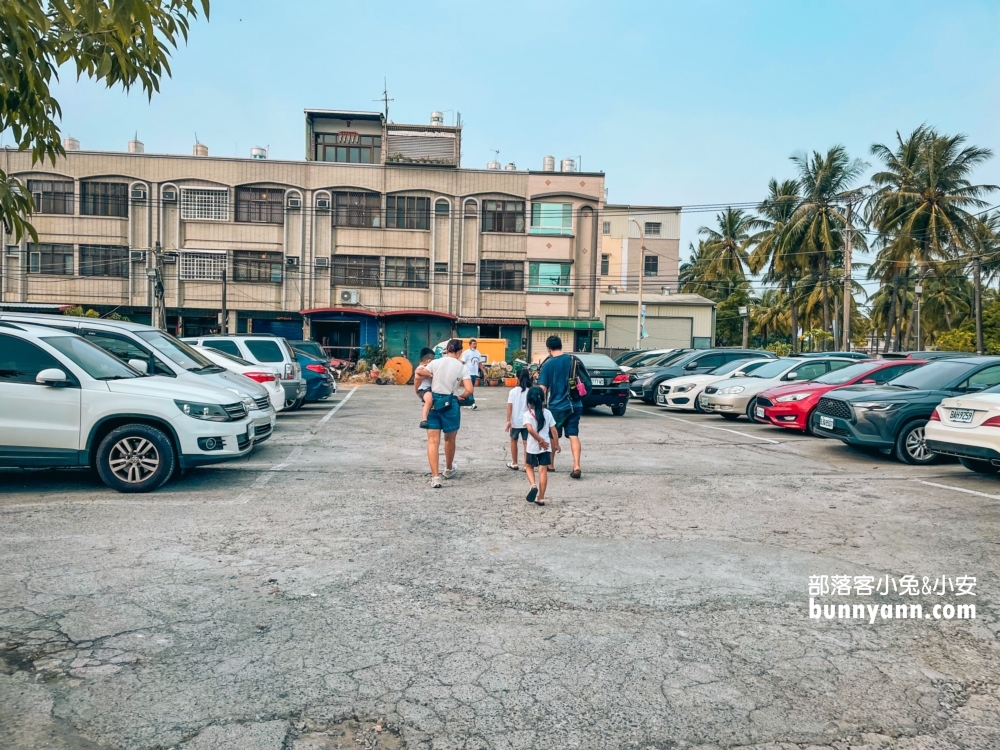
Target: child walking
x,y
516,401
422,386
542,443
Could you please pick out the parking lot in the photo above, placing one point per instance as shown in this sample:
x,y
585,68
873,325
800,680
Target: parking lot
x,y
320,594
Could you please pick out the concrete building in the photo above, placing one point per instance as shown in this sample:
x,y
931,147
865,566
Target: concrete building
x,y
379,235
640,237
672,320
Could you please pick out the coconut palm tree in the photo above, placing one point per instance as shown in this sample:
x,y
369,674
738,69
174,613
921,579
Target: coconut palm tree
x,y
693,275
727,246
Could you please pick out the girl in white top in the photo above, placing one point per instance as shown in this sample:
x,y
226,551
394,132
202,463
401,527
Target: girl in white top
x,y
542,442
516,400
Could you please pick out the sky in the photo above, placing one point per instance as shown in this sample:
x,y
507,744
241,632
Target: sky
x,y
679,103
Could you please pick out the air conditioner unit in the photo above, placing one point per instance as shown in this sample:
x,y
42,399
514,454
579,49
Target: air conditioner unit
x,y
323,204
322,263
170,257
292,261
138,193
295,203
13,251
137,256
349,296
169,195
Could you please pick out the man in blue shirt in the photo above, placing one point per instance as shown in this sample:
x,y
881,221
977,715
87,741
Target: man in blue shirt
x,y
553,378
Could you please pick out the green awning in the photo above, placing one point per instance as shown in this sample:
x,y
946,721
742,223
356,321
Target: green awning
x,y
586,325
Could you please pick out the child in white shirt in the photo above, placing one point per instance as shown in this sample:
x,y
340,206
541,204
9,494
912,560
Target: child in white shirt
x,y
516,400
542,443
422,386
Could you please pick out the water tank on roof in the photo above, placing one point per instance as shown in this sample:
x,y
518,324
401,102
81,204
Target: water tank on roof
x,y
493,165
200,149
568,165
437,118
549,164
258,153
135,146
511,167
71,144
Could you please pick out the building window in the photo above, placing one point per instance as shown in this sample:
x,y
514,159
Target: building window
x,y
104,260
605,265
202,266
503,216
205,203
552,218
356,270
441,208
606,227
258,267
651,265
468,269
470,208
440,268
548,277
349,147
501,275
357,209
104,199
652,229
410,273
407,212
50,259
260,205
52,196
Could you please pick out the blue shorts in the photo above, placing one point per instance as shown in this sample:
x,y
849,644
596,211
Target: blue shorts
x,y
447,420
474,379
568,422
519,432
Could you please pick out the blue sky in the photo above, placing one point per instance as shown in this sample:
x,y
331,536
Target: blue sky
x,y
679,103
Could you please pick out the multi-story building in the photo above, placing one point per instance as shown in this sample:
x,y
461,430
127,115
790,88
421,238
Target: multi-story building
x,y
378,236
639,239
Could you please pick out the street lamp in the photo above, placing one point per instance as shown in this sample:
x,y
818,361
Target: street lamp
x,y
745,314
918,290
642,272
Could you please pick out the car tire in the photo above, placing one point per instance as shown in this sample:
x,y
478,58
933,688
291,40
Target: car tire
x,y
697,405
980,467
135,458
618,411
750,408
730,417
295,405
810,428
911,447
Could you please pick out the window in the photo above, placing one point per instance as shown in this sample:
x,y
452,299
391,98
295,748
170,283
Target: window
x,y
202,266
552,218
356,270
52,196
809,371
265,351
50,259
503,216
606,228
260,205
441,208
257,267
21,361
357,209
468,269
125,349
652,229
407,272
349,147
207,204
986,378
470,208
440,268
407,212
501,275
839,364
104,199
711,361
226,346
651,265
605,265
104,260
548,277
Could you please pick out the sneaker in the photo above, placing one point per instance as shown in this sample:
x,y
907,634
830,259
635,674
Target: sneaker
x,y
449,473
423,424
474,407
435,482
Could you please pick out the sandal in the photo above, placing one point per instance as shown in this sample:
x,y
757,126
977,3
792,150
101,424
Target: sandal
x,y
513,466
532,494
575,473
539,502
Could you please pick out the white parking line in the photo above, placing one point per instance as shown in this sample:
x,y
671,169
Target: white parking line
x,y
958,489
709,427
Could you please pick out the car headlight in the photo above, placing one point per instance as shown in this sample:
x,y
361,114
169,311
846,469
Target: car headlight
x,y
249,403
876,405
731,390
683,388
210,412
791,397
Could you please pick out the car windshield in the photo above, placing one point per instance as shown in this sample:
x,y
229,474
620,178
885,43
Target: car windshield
x,y
210,353
311,348
733,366
597,362
838,377
177,351
773,369
933,375
91,359
646,359
666,359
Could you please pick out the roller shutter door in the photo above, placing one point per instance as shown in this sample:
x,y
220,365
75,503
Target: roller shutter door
x,y
663,333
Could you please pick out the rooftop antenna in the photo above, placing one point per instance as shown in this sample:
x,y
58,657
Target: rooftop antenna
x,y
385,98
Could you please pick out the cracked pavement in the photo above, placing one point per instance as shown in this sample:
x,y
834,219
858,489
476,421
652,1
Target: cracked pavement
x,y
339,601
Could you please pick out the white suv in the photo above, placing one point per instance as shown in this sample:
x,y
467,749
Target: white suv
x,y
68,403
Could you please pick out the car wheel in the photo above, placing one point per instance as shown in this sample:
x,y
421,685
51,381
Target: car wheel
x,y
810,428
295,405
135,458
980,467
697,406
730,417
618,411
911,447
750,408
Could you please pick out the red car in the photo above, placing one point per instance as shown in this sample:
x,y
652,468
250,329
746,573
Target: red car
x,y
792,405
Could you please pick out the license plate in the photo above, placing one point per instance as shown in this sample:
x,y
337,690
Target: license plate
x,y
961,415
597,381
759,411
826,423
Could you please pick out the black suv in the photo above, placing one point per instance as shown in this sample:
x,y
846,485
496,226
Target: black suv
x,y
891,417
644,381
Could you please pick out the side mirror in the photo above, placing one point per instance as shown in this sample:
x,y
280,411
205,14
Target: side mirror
x,y
738,374
691,366
139,364
868,382
792,376
52,376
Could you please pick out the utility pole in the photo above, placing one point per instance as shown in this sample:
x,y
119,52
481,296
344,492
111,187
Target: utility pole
x,y
978,302
745,314
917,291
847,280
224,318
642,272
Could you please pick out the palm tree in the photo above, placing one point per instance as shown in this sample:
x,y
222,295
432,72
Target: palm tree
x,y
773,249
727,246
771,314
693,276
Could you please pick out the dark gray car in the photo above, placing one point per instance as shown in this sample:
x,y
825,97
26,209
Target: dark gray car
x,y
644,381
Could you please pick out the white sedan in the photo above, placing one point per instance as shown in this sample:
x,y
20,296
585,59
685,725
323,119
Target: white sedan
x,y
266,375
968,427
683,392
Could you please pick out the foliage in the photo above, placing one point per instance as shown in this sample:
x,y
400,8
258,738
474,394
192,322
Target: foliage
x,y
956,341
121,43
728,321
375,355
780,348
519,354
79,312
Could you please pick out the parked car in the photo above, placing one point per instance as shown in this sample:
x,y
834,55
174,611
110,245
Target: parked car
x,y
968,428
644,381
610,384
266,375
320,384
925,355
846,355
683,392
892,417
264,349
736,397
159,353
792,405
69,403
643,357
